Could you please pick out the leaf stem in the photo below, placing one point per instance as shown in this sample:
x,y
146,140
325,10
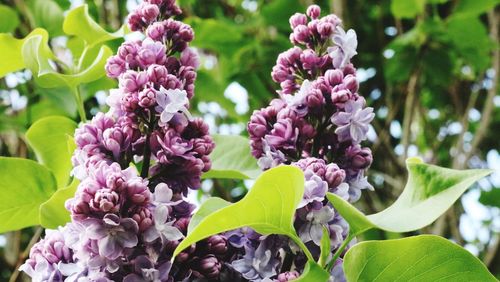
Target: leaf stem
x,y
303,247
339,251
79,103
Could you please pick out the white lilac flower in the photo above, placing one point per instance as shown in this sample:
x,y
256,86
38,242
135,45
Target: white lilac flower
x,y
172,106
162,228
345,44
353,121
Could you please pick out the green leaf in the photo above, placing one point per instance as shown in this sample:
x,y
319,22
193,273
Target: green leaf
x,y
467,8
46,14
429,192
11,51
9,19
313,272
231,158
79,23
53,212
37,56
325,247
490,198
278,12
419,258
48,138
407,8
25,185
268,208
208,207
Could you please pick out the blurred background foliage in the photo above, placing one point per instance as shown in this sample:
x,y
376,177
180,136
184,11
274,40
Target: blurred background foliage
x,y
428,67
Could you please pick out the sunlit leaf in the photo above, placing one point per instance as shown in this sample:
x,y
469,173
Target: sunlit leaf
x,y
407,8
208,207
25,185
53,212
419,258
268,208
324,247
232,159
468,8
11,51
429,192
48,138
79,23
37,57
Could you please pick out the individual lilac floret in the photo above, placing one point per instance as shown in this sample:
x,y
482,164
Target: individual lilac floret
x,y
113,235
314,189
313,229
260,263
172,106
163,228
345,47
353,121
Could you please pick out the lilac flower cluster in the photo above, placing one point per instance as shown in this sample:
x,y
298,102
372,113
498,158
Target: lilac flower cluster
x,y
125,224
317,124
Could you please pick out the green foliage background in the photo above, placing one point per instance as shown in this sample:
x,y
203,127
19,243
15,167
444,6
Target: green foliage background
x,y
428,67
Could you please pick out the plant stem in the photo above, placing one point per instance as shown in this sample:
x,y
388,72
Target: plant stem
x,y
79,103
303,247
339,251
147,158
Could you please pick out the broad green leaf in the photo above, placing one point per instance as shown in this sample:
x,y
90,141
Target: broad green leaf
x,y
46,14
25,185
48,138
325,247
419,258
429,192
79,23
490,198
11,51
231,158
407,8
37,57
268,208
208,207
212,34
9,19
277,13
313,272
466,8
53,213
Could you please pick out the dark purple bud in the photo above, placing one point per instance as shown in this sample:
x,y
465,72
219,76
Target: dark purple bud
x,y
301,34
156,31
350,82
115,66
157,74
147,97
208,267
217,244
309,59
359,158
334,175
150,12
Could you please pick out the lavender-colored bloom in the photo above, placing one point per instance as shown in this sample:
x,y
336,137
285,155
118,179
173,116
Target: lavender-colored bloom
x,y
162,228
113,235
352,123
337,272
297,102
360,182
344,48
172,106
145,271
314,189
258,264
271,157
312,230
242,237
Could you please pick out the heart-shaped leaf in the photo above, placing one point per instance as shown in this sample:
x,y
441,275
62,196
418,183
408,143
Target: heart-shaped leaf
x,y
231,158
53,213
11,51
79,23
429,192
37,57
419,258
49,138
268,208
25,185
208,207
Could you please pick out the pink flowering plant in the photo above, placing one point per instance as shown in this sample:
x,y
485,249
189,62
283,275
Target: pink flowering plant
x,y
113,191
